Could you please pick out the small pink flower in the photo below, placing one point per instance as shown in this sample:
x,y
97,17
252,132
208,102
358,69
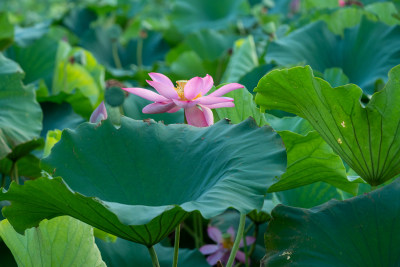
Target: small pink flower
x,y
222,250
99,114
342,3
189,95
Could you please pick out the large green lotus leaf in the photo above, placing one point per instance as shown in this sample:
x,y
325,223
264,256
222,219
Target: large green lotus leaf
x,y
102,43
310,4
244,108
133,106
242,61
188,65
20,114
359,53
7,31
38,59
129,169
123,253
342,18
209,44
306,196
309,196
59,116
367,138
385,11
335,77
311,159
361,231
78,79
27,166
62,241
294,124
193,15
251,78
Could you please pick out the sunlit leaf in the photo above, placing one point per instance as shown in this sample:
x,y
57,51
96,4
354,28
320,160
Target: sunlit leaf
x,y
367,138
62,241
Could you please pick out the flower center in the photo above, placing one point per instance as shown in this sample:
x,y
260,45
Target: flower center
x,y
227,241
180,88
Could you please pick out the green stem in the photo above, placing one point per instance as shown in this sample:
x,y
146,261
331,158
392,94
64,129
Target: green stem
x,y
200,228
3,180
248,228
116,59
253,246
188,230
196,231
139,52
239,235
14,173
153,256
373,187
246,259
176,245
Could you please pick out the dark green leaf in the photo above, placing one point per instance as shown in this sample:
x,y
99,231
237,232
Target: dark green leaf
x,y
130,169
366,53
123,253
20,114
193,15
361,231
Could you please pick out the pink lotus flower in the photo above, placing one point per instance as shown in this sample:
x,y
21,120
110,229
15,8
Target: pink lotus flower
x,y
99,114
342,3
222,250
189,95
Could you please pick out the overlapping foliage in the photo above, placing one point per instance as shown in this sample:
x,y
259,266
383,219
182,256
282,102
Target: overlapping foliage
x,y
322,85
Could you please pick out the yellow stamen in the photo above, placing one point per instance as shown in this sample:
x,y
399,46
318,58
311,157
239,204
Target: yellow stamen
x,y
180,88
227,243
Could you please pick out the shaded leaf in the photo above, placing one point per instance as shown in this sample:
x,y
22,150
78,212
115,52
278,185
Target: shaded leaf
x,y
193,15
361,231
124,253
242,61
359,53
122,166
20,114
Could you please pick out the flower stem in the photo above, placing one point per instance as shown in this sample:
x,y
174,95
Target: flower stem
x,y
117,61
14,173
3,180
246,259
153,256
139,52
196,231
200,228
253,246
237,240
176,245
